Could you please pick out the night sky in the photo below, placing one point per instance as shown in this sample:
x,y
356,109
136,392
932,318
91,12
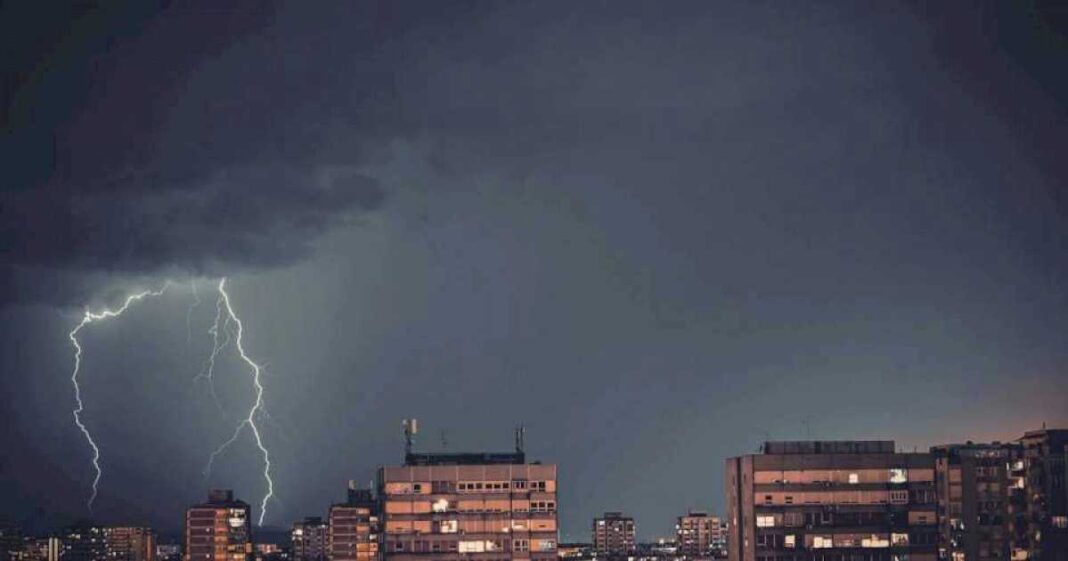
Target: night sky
x,y
655,233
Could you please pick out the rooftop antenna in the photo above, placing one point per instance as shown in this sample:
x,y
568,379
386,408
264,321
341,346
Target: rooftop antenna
x,y
411,428
520,431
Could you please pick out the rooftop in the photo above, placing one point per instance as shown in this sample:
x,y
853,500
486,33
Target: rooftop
x,y
464,459
829,447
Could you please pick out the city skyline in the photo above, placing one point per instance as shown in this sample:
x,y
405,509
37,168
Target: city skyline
x,y
654,235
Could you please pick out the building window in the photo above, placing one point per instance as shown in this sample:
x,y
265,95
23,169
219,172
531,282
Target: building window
x,y
899,497
899,475
765,521
854,478
899,539
789,541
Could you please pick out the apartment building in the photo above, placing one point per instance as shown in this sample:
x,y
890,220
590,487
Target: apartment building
x,y
831,501
475,507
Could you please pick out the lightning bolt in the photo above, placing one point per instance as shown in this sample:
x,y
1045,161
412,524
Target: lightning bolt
x,y
87,319
208,371
257,407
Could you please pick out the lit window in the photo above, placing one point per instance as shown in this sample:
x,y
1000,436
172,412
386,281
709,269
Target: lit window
x,y
898,475
765,521
854,478
789,541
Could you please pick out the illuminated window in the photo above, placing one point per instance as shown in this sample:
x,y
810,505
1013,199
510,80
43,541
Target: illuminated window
x,y
898,475
765,521
899,539
789,541
448,526
854,478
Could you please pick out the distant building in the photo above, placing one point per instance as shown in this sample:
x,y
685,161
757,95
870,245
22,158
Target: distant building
x,y
574,551
354,527
1041,521
816,500
11,543
693,534
168,552
663,549
975,489
310,539
55,549
84,543
718,541
270,552
453,507
614,535
130,543
219,529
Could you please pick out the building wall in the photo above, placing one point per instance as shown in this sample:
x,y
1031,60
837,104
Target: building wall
x,y
354,533
471,512
694,533
856,500
975,488
614,535
218,532
1043,526
126,543
310,539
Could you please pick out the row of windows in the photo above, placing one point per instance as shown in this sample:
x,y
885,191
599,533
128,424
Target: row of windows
x,y
814,519
870,541
896,475
897,497
470,546
444,487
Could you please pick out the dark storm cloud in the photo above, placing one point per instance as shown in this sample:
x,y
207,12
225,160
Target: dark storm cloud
x,y
134,147
669,227
235,218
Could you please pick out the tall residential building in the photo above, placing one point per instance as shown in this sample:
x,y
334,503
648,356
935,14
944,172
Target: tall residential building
x,y
84,542
310,539
355,528
975,493
1042,525
219,529
693,534
11,542
827,501
168,552
719,539
453,507
128,543
614,535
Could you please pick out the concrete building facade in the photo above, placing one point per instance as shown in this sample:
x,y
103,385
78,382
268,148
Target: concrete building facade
x,y
218,530
310,539
694,534
614,535
831,501
472,507
355,528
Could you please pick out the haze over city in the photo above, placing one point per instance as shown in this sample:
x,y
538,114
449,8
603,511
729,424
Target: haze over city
x,y
656,235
